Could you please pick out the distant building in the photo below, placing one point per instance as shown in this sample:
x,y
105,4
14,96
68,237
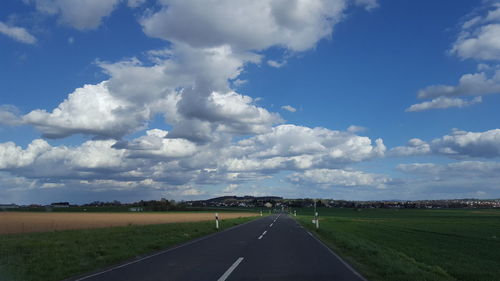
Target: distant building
x,y
268,205
8,206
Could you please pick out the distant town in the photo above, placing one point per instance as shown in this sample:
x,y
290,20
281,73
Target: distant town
x,y
257,202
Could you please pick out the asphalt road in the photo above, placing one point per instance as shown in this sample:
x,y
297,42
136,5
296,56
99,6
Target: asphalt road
x,y
271,248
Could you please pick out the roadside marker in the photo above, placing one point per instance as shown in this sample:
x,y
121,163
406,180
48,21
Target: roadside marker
x,y
230,270
216,220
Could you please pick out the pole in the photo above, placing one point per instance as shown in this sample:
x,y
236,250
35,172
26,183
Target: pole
x,y
261,213
216,220
317,221
295,213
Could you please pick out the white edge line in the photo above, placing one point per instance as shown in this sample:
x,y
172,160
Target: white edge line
x,y
230,269
338,257
159,253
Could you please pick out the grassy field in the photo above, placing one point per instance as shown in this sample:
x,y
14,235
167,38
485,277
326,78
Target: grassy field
x,y
54,256
424,244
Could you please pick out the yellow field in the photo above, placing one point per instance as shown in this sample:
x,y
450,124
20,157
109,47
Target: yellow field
x,y
22,222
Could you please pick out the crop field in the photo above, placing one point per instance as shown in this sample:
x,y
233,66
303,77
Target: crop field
x,y
25,222
413,244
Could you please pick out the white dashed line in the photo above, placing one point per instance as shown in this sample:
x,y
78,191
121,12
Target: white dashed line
x,y
230,270
271,225
262,235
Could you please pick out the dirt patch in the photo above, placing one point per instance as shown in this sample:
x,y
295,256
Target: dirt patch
x,y
24,222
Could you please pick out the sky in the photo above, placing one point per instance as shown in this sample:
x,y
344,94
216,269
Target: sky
x,y
345,99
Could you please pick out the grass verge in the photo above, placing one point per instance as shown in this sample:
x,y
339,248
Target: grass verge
x,y
394,245
54,256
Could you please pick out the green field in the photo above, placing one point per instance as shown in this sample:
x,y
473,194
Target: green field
x,y
54,256
413,244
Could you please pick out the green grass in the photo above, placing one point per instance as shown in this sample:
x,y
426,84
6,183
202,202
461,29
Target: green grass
x,y
413,244
53,256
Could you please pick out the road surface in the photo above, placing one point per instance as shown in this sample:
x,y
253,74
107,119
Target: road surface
x,y
271,248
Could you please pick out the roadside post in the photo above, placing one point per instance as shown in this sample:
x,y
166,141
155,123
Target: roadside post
x,y
316,219
261,213
216,220
295,213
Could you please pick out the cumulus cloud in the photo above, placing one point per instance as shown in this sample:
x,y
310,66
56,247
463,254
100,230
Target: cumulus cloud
x,y
79,14
190,85
462,169
179,162
19,34
90,110
458,144
289,108
306,147
443,102
478,40
338,177
9,115
469,85
254,25
414,147
276,64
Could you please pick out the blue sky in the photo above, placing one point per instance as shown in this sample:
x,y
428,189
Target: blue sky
x,y
346,99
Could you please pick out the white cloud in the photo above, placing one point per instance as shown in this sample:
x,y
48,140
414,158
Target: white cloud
x,y
414,147
308,147
338,177
368,4
356,129
462,169
469,85
289,108
79,14
276,64
90,110
479,39
443,102
480,44
254,25
189,83
174,162
19,34
459,144
9,115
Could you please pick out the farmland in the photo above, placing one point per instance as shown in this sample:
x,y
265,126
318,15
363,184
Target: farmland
x,y
25,222
56,255
391,244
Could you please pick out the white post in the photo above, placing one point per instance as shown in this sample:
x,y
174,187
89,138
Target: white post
x,y
216,220
295,213
261,213
317,221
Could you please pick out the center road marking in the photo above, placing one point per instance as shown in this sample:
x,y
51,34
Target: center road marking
x,y
271,225
230,270
262,235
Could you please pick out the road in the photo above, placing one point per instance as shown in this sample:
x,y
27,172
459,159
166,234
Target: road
x,y
275,247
